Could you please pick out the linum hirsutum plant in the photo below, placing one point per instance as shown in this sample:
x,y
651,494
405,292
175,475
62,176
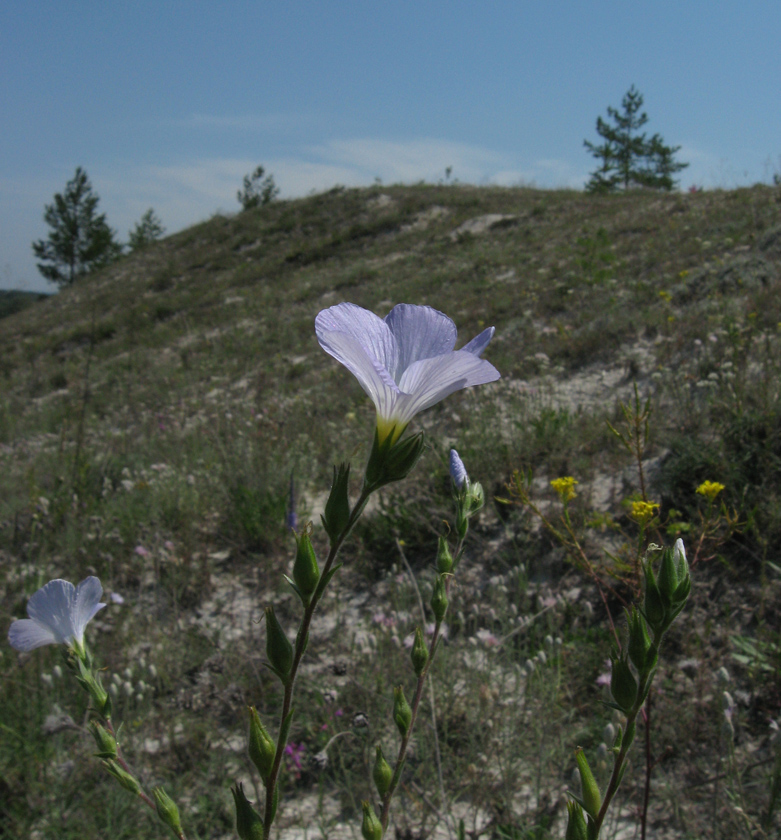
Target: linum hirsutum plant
x,y
406,363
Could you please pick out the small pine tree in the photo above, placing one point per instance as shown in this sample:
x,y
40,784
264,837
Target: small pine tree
x,y
628,158
146,231
257,190
80,240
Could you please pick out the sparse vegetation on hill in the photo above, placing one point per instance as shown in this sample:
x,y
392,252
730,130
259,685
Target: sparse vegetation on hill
x,y
151,416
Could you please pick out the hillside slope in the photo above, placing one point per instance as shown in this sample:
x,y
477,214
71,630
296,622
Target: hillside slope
x,y
153,415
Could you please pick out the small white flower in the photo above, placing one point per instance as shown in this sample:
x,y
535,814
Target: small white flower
x,y
59,612
405,362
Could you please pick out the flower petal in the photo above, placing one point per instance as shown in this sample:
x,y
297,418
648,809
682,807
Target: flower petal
x,y
25,634
373,377
87,604
53,606
421,333
478,344
371,332
427,382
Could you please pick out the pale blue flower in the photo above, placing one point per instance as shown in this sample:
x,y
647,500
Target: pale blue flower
x,y
458,470
406,361
59,612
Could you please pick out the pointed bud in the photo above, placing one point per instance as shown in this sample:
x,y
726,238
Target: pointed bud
x,y
653,605
167,811
402,713
382,773
262,749
419,653
458,471
337,508
589,789
107,743
639,641
278,648
306,572
668,576
576,823
249,825
439,598
124,778
444,557
623,685
371,828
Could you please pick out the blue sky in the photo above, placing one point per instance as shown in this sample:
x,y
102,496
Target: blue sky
x,y
169,104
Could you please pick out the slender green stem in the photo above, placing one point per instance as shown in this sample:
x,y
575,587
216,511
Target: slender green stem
x,y
301,640
626,741
386,801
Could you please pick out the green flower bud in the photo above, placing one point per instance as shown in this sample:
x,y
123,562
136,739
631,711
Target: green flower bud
x,y
419,653
623,685
127,781
444,557
306,572
278,648
107,743
439,598
668,576
576,823
382,773
389,462
371,828
402,713
262,749
592,799
337,508
167,811
639,641
249,825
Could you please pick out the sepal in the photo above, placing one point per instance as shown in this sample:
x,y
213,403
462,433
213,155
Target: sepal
x,y
306,572
337,508
381,773
623,685
419,653
167,811
589,789
262,749
402,713
249,824
389,462
371,827
278,647
439,598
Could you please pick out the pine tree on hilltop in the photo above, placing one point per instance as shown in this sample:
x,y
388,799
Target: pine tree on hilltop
x,y
628,158
146,231
80,240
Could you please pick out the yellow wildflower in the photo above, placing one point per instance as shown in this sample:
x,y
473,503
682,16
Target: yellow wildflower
x,y
644,512
565,487
710,489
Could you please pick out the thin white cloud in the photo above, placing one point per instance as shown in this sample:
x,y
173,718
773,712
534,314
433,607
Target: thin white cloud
x,y
409,161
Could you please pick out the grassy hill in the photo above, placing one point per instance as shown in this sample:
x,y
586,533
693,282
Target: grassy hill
x,y
151,418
